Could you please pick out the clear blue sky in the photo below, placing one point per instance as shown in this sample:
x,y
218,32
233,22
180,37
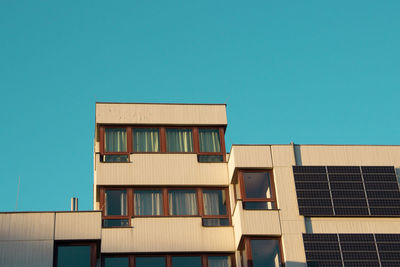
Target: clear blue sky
x,y
316,72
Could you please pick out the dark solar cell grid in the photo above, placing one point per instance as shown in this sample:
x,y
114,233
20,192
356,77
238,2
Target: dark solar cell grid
x,y
389,256
356,238
358,246
348,194
389,264
315,202
343,169
341,202
357,211
313,194
383,194
332,255
312,186
361,264
345,178
389,247
382,186
320,238
324,264
380,177
387,238
389,211
353,256
315,211
301,177
377,169
309,169
383,202
321,246
347,186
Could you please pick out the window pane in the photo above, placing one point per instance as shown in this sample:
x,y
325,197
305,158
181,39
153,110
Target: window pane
x,y
146,140
210,158
259,205
150,262
77,256
116,223
115,140
179,140
114,158
219,261
257,185
186,261
265,252
214,202
209,140
116,262
148,202
115,202
182,202
215,222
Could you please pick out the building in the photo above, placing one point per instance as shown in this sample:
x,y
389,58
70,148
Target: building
x,y
166,193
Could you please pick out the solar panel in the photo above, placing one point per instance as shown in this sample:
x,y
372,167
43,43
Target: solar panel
x,y
353,190
355,249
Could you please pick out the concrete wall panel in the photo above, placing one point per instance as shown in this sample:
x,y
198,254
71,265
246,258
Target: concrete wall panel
x,y
26,253
168,235
162,169
78,225
165,114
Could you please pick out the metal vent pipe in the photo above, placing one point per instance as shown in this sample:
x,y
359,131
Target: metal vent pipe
x,y
74,204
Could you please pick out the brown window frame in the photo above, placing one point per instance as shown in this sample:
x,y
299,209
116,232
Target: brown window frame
x,y
249,255
94,249
130,203
168,257
163,140
243,190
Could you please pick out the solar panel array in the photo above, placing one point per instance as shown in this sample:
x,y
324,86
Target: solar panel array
x,y
347,190
352,250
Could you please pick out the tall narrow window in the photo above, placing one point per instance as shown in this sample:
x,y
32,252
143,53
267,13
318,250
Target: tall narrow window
x,y
257,190
148,202
115,140
146,140
115,208
209,140
215,207
179,140
260,252
182,202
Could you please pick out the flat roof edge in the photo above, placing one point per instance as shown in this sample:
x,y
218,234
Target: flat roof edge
x,y
142,103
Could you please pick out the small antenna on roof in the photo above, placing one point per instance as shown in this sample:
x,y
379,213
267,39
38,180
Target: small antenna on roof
x,y
16,203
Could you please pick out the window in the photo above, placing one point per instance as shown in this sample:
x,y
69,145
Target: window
x,y
148,202
260,252
120,204
118,142
182,202
179,140
215,207
257,190
146,140
75,254
115,208
175,260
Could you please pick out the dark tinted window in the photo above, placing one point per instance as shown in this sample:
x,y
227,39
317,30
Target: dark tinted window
x,y
116,262
150,261
265,252
76,256
115,202
186,261
257,185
